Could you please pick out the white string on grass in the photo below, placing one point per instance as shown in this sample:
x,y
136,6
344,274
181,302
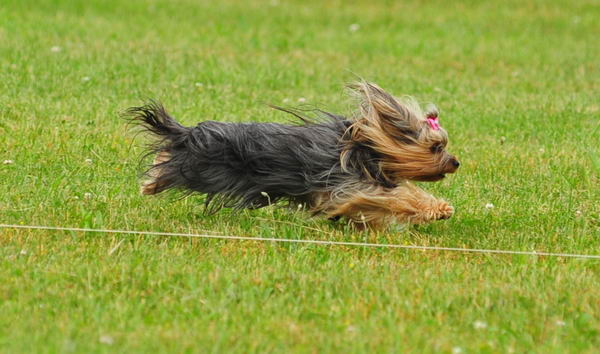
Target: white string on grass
x,y
316,242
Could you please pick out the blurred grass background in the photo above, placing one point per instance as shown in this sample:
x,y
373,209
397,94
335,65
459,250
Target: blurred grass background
x,y
517,83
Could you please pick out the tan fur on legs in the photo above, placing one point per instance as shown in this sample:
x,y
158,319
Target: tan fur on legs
x,y
151,186
374,206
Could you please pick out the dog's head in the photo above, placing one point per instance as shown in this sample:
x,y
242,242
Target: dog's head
x,y
411,143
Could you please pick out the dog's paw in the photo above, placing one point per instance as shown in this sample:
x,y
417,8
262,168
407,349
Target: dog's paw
x,y
439,210
445,211
148,188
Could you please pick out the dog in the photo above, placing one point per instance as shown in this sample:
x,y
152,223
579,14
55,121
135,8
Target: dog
x,y
358,168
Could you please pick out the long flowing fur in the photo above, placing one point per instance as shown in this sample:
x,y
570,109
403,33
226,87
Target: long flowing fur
x,y
355,167
248,165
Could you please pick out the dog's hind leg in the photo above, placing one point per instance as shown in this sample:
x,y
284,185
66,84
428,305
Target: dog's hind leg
x,y
156,183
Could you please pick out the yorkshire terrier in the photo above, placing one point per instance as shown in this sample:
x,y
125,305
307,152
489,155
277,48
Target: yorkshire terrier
x,y
358,168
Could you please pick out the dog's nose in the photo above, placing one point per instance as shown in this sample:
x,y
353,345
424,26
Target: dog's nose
x,y
455,163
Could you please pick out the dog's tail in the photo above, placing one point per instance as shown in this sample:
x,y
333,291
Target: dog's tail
x,y
168,134
154,118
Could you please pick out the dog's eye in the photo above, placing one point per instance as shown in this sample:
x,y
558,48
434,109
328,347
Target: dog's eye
x,y
437,148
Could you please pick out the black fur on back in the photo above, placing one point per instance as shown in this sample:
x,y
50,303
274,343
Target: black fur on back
x,y
250,165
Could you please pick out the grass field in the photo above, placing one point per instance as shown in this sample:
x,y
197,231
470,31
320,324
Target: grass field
x,y
518,84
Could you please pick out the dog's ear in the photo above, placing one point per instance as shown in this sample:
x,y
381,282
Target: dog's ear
x,y
381,109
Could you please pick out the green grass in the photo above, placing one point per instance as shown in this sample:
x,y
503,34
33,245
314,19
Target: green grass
x,y
518,84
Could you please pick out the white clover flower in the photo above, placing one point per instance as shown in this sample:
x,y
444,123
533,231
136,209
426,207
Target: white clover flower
x,y
354,27
85,79
560,323
87,195
88,161
106,339
8,162
457,350
55,49
302,100
479,325
489,206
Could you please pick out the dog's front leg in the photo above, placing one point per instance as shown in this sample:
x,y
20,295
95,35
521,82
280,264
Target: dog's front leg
x,y
374,206
414,205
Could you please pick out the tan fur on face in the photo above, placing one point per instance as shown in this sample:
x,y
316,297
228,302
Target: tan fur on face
x,y
398,130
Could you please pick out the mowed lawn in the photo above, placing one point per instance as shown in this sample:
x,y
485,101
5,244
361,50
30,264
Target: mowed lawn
x,y
518,85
